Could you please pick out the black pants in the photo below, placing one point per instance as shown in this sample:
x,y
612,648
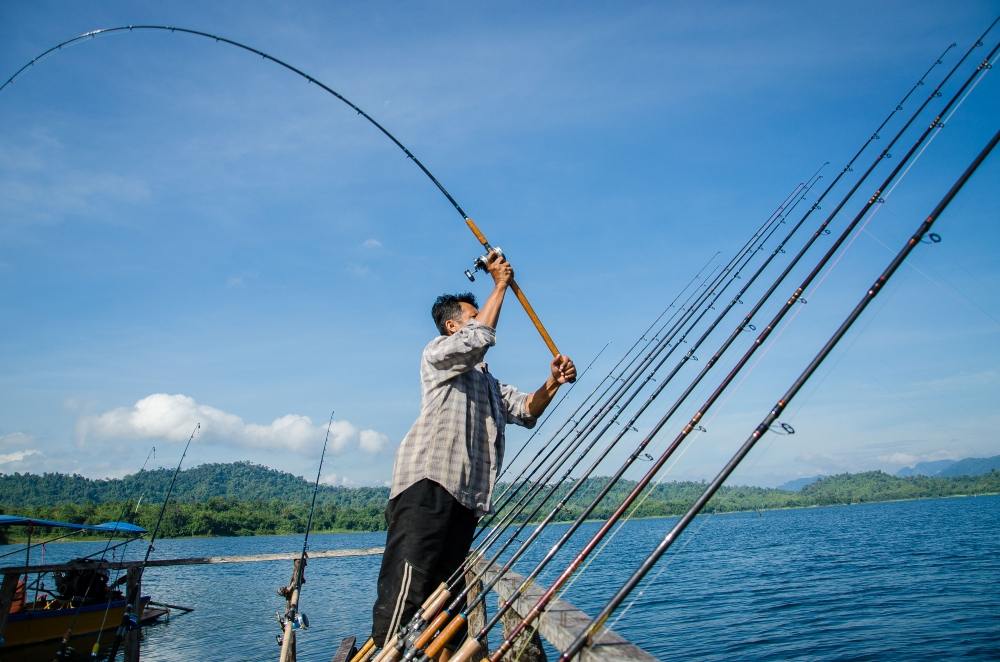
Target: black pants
x,y
429,536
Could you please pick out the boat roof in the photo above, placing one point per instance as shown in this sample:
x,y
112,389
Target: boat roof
x,y
106,527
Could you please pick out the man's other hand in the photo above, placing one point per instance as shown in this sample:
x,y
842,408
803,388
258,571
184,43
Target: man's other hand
x,y
498,267
563,369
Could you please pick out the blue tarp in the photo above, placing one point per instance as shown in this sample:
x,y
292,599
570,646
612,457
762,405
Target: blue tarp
x,y
106,527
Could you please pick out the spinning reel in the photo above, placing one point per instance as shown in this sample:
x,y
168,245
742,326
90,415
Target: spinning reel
x,y
479,264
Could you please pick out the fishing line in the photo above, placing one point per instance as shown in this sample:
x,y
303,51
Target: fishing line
x,y
706,518
939,280
882,201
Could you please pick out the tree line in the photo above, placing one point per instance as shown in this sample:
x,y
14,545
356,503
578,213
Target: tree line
x,y
229,500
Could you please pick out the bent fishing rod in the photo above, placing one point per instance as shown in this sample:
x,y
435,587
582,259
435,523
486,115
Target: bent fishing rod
x,y
591,631
792,300
294,619
130,619
476,231
690,355
414,644
578,482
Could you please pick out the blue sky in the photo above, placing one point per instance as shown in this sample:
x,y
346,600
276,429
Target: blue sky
x,y
188,233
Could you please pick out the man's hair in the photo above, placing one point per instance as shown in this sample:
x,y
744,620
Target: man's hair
x,y
446,307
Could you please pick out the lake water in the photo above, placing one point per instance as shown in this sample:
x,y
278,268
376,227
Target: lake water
x,y
913,580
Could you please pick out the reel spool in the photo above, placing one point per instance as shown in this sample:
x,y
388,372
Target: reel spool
x,y
479,264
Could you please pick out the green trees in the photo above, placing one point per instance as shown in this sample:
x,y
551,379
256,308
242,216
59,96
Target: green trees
x,y
243,499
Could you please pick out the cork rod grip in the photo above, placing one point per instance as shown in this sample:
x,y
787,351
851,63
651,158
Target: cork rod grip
x,y
446,635
533,316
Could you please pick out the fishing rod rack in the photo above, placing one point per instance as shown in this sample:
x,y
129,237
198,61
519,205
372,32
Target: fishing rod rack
x,y
559,625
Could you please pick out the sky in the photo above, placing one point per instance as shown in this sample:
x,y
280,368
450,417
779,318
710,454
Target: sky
x,y
189,233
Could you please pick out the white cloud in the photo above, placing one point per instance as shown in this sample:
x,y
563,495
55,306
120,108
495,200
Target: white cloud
x,y
372,243
17,456
371,441
12,439
909,459
172,417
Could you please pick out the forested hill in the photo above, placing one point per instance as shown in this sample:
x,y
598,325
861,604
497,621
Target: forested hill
x,y
247,499
241,481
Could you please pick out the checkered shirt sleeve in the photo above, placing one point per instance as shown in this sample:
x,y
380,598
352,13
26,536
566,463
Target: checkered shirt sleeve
x,y
458,438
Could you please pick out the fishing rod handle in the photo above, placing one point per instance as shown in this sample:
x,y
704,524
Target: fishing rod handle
x,y
446,635
518,292
467,651
533,316
365,652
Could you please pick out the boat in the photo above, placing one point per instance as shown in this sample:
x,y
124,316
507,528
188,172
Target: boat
x,y
84,600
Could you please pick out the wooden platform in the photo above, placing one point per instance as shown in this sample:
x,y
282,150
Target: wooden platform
x,y
562,622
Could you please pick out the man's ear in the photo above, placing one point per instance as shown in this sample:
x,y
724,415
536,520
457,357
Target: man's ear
x,y
450,326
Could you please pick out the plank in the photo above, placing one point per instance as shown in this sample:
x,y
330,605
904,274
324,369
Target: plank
x,y
562,622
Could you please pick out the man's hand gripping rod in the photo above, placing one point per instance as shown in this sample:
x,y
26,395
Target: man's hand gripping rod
x,y
518,292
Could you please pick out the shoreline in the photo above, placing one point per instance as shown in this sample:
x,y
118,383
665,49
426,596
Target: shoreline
x,y
18,540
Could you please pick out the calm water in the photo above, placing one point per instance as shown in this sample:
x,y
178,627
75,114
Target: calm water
x,y
907,580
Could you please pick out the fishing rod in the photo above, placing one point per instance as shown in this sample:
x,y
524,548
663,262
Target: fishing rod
x,y
794,298
476,231
130,619
294,619
587,636
415,644
739,329
460,619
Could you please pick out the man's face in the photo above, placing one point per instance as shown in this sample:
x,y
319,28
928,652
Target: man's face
x,y
467,313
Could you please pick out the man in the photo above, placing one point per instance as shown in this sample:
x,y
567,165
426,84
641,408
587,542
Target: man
x,y
447,463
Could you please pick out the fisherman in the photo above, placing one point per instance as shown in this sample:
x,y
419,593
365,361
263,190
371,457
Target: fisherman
x,y
445,468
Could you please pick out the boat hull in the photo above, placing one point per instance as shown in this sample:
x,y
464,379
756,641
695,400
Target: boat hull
x,y
34,626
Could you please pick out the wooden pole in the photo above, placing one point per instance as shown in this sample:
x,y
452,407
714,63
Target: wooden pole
x,y
291,593
134,584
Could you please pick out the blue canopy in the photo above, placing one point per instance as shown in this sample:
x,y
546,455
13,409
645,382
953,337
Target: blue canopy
x,y
106,527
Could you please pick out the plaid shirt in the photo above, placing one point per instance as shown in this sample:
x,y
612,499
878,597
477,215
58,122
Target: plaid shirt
x,y
457,440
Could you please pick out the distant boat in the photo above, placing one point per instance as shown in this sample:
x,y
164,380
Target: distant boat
x,y
83,599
